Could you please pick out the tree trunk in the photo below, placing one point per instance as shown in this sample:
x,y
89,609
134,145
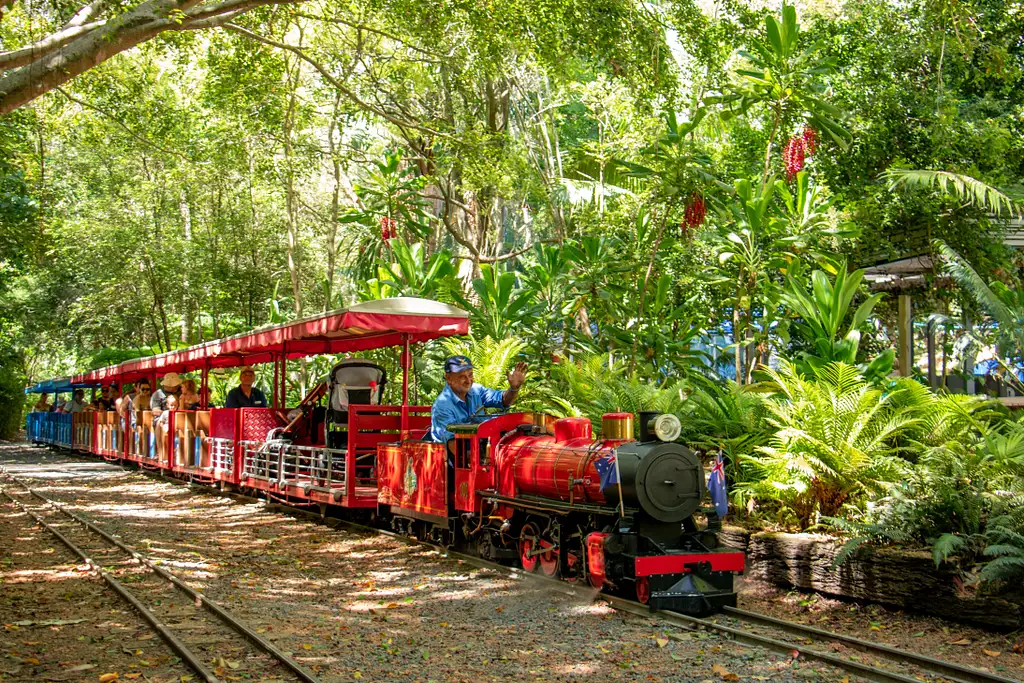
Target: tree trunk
x,y
291,201
189,312
332,229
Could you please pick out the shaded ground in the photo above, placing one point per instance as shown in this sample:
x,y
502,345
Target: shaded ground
x,y
366,607
987,650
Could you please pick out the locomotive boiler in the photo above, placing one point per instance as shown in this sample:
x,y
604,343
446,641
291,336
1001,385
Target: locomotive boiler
x,y
618,512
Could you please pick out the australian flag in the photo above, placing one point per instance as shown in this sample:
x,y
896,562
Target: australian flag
x,y
606,470
716,487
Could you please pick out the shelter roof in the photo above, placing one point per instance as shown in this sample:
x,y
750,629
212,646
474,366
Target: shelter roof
x,y
361,327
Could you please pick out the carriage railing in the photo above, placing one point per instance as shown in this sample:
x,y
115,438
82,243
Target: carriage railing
x,y
222,454
287,464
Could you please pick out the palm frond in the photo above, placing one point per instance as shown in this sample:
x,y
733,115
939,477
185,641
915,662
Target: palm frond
x,y
963,187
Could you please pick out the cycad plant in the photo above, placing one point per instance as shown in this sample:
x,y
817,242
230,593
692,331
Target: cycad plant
x,y
724,418
591,386
834,444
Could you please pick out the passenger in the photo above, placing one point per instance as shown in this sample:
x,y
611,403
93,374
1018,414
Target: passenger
x,y
103,402
77,402
189,395
125,401
59,404
142,395
246,395
170,385
461,401
42,405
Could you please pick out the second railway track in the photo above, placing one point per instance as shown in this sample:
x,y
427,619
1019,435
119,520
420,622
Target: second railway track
x,y
197,629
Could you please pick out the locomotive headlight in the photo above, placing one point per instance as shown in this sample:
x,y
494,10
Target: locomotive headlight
x,y
666,427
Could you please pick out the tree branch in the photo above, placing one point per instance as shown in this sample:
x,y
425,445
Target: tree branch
x,y
41,48
329,77
510,255
141,138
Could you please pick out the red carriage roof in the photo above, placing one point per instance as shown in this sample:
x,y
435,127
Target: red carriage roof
x,y
362,327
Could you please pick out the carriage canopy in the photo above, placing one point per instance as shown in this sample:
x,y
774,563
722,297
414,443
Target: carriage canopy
x,y
361,327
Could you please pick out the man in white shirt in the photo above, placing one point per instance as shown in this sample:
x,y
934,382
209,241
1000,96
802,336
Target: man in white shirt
x,y
77,403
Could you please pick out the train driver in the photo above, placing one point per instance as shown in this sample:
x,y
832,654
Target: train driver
x,y
461,400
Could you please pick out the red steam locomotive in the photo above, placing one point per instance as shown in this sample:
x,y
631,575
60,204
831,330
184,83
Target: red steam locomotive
x,y
616,512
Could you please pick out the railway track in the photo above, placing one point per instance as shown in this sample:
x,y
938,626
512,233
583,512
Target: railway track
x,y
750,628
196,629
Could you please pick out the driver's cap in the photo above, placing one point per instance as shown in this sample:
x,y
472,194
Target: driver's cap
x,y
458,364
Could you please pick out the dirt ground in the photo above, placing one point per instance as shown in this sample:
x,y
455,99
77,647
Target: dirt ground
x,y
360,607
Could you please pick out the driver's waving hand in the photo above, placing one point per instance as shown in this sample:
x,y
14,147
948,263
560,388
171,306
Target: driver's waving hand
x,y
461,401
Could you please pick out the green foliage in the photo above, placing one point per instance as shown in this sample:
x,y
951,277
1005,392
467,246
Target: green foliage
x,y
834,444
594,386
501,304
785,75
411,274
963,187
823,307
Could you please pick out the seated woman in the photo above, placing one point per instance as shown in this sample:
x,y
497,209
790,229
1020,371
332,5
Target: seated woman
x,y
189,396
42,405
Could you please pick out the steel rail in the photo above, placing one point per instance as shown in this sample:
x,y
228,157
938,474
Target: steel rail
x,y
223,614
944,669
179,647
948,669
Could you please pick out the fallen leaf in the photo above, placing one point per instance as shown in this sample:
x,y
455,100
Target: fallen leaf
x,y
991,653
500,609
133,676
919,634
30,660
662,642
794,654
233,664
307,646
392,605
724,673
82,667
357,675
444,624
108,678
846,679
962,641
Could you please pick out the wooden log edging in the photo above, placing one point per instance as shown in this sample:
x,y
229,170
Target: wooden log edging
x,y
906,579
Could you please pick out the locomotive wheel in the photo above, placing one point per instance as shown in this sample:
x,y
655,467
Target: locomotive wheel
x,y
643,591
548,559
527,540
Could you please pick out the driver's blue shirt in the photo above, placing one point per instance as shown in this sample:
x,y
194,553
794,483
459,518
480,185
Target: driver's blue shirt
x,y
450,409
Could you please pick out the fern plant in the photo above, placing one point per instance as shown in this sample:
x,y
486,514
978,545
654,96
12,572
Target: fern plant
x,y
834,444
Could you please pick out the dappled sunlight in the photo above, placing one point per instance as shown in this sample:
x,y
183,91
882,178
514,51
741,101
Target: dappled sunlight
x,y
52,574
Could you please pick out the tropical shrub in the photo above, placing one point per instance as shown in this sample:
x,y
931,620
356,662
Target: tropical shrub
x,y
592,386
834,443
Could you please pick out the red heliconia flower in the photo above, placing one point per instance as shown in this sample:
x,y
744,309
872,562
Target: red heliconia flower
x,y
388,228
793,156
810,137
696,210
